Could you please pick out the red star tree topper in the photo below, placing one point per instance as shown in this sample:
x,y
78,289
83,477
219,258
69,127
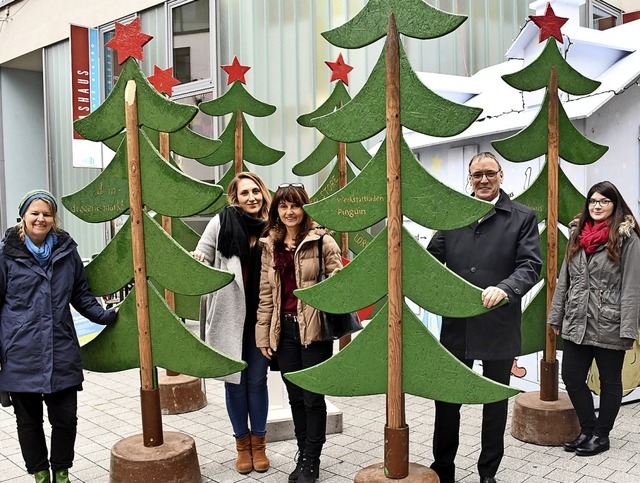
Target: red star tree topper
x,y
339,70
236,71
549,24
128,41
163,80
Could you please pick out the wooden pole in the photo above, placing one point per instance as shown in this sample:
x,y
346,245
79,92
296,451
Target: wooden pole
x,y
238,153
396,452
342,182
169,296
150,397
344,236
549,363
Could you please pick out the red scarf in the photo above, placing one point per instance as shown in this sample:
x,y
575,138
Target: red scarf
x,y
593,236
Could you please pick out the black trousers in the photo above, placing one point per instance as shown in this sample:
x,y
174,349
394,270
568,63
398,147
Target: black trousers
x,y
308,409
576,361
62,410
446,431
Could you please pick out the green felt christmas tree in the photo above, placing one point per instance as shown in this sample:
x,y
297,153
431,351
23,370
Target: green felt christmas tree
x,y
186,143
396,354
239,143
329,149
139,180
363,202
550,134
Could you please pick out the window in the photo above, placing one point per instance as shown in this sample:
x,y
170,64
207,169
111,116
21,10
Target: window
x,y
182,64
190,49
603,16
204,125
191,53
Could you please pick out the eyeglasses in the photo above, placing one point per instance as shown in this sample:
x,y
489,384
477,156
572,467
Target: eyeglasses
x,y
489,174
291,185
604,202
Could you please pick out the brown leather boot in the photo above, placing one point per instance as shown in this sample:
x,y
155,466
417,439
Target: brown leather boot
x,y
258,451
244,464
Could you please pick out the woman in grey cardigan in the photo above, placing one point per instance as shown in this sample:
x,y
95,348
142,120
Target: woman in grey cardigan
x,y
596,306
230,242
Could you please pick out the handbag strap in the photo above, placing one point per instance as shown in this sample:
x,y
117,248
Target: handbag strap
x,y
320,268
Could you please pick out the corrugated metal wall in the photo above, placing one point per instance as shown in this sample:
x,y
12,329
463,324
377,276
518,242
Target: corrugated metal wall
x,y
281,41
481,41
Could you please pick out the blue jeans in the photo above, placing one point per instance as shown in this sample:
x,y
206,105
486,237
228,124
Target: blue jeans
x,y
249,400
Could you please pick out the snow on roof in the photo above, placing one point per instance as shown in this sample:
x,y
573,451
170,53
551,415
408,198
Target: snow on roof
x,y
611,56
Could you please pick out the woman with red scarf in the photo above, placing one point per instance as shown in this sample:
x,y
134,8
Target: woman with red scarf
x,y
596,307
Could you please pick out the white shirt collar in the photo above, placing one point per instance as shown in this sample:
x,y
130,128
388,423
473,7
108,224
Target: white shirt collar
x,y
493,202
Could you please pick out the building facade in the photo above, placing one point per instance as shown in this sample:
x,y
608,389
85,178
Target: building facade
x,y
279,39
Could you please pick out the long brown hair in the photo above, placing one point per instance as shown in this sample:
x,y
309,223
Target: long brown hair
x,y
232,191
292,193
620,212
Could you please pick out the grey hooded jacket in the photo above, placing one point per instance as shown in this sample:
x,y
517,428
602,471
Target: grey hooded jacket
x,y
597,300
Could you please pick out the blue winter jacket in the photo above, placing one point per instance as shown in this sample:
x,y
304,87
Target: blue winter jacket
x,y
39,349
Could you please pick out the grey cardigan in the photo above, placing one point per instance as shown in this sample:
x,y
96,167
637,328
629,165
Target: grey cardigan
x,y
223,312
597,300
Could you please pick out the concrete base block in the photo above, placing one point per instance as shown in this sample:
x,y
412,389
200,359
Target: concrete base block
x,y
174,461
546,423
280,423
417,473
180,394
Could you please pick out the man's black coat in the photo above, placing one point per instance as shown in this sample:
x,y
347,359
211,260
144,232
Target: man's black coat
x,y
502,250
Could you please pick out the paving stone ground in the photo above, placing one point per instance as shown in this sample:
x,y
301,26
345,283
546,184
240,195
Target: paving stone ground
x,y
110,410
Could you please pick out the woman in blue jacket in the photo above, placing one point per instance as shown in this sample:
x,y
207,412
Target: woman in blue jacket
x,y
41,273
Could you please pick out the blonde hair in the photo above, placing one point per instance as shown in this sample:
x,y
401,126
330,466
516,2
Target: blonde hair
x,y
232,191
21,225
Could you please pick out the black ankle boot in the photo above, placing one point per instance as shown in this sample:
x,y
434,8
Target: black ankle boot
x,y
572,445
295,474
595,445
310,471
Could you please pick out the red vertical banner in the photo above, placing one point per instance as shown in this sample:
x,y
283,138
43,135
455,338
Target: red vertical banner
x,y
80,75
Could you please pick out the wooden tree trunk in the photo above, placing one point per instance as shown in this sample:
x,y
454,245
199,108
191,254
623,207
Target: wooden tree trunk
x,y
344,236
238,137
169,296
549,363
149,394
396,451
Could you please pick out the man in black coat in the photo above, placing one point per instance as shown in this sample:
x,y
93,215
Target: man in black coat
x,y
501,254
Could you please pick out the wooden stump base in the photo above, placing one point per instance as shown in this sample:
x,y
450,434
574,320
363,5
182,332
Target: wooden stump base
x,y
546,423
180,394
174,461
417,473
